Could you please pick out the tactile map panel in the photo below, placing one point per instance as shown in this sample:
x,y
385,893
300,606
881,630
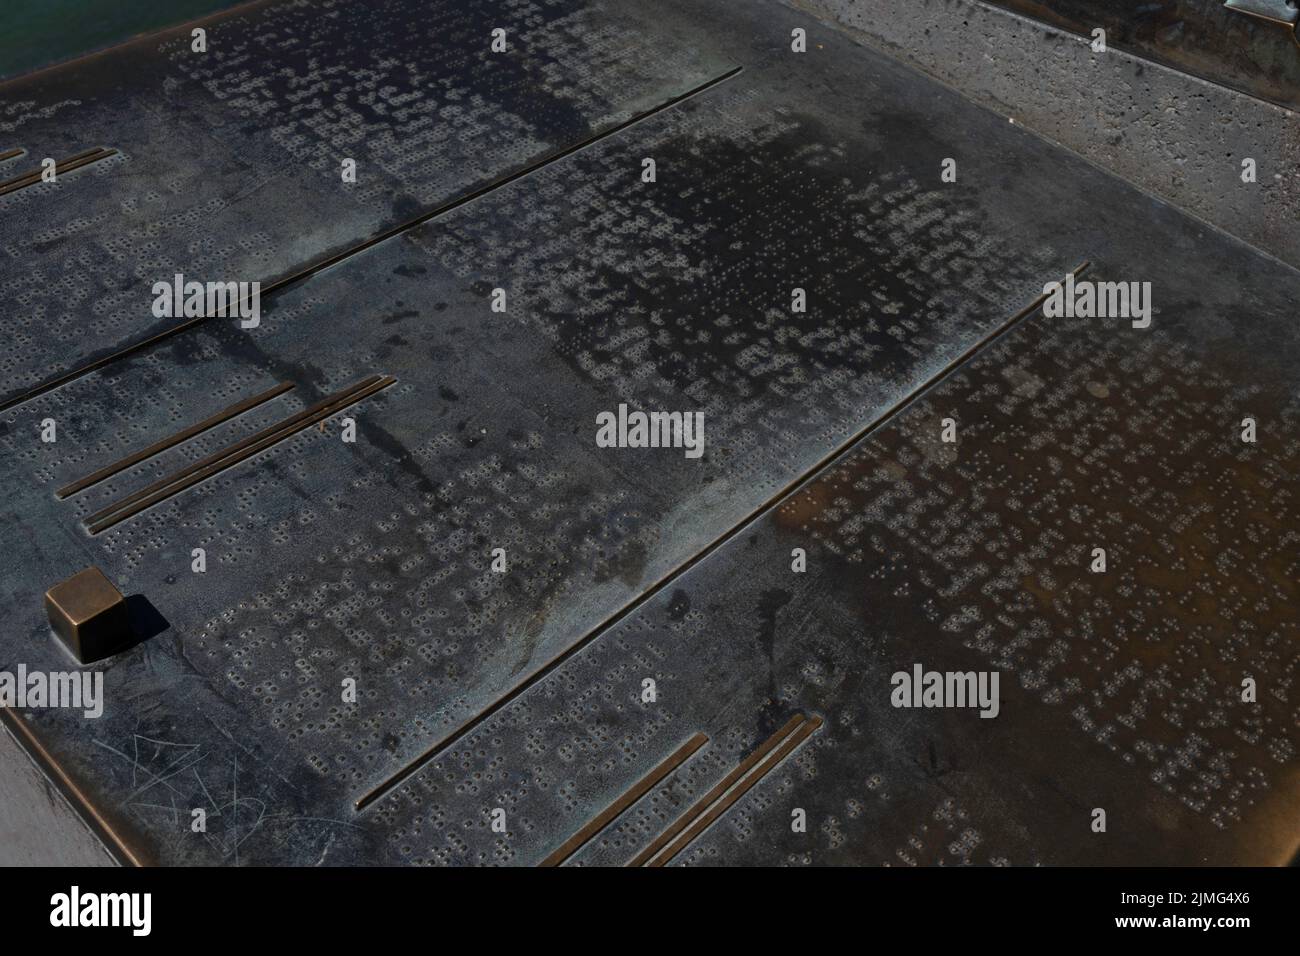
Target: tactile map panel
x,y
903,464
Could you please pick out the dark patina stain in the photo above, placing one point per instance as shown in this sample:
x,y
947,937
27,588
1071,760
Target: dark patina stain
x,y
679,606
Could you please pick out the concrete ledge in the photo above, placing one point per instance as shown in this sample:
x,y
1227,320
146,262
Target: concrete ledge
x,y
1181,138
37,826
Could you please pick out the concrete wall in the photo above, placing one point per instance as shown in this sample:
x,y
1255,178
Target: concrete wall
x,y
1176,136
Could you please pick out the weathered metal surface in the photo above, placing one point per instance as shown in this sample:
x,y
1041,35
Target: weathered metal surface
x,y
1119,691
228,162
371,561
1203,37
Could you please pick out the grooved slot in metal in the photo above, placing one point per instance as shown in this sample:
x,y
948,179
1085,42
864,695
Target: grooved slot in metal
x,y
634,793
62,166
233,454
181,436
695,820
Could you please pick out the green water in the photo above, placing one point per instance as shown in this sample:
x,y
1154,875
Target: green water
x,y
34,33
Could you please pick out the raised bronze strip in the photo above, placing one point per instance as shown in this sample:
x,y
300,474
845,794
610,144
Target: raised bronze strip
x,y
703,822
233,455
678,825
228,450
635,793
34,175
63,166
181,436
11,154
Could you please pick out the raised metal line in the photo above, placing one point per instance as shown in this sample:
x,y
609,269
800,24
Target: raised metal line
x,y
11,154
226,451
229,457
32,175
174,487
634,793
311,270
63,166
722,806
817,468
723,785
181,436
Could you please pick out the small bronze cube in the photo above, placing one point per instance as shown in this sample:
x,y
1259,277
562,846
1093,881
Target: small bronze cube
x,y
88,614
